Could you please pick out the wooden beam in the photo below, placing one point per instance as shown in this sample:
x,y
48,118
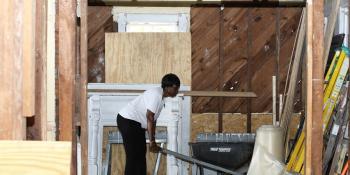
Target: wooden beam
x,y
67,56
220,94
315,48
221,61
38,131
187,93
249,71
29,58
35,157
83,84
66,67
185,3
12,125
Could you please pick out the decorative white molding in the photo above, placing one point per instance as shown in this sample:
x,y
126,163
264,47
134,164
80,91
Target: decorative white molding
x,y
167,15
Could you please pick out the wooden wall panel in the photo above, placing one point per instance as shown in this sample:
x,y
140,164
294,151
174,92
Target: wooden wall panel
x,y
147,57
205,56
235,57
263,31
262,27
100,21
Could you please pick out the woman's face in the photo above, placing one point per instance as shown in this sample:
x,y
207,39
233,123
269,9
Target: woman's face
x,y
172,91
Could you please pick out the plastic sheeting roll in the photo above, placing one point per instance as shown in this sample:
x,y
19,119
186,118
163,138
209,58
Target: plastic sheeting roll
x,y
268,152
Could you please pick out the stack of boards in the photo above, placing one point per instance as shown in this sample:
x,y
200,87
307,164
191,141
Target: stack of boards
x,y
335,119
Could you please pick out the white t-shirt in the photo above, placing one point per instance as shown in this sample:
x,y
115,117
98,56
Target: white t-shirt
x,y
136,110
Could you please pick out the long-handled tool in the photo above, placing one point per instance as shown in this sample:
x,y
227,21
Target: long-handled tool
x,y
198,162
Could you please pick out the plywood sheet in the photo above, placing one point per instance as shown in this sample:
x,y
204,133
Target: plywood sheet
x,y
147,57
35,157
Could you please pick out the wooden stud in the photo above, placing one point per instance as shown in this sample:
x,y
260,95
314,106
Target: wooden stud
x,y
83,84
66,67
67,57
277,69
221,58
29,58
39,128
249,74
12,125
315,47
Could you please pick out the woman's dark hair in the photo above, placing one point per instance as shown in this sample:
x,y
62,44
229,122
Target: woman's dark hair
x,y
170,80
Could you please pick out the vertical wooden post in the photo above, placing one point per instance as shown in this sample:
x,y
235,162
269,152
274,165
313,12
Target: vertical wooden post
x,y
277,67
83,84
66,67
315,47
29,58
249,74
221,55
12,125
39,127
67,29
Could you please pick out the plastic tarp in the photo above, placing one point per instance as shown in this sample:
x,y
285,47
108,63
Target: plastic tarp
x,y
268,152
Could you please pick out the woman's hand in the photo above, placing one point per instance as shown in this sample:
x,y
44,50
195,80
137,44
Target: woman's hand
x,y
153,147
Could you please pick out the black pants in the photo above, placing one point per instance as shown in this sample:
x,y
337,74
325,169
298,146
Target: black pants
x,y
134,145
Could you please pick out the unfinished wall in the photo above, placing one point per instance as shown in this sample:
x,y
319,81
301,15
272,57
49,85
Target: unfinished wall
x,y
240,58
100,21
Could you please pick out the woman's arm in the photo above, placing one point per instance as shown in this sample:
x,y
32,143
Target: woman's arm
x,y
151,127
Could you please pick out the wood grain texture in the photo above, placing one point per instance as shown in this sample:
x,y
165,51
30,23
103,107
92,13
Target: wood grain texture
x,y
205,56
205,66
36,126
29,58
220,94
315,82
66,68
147,57
235,61
35,157
83,85
12,125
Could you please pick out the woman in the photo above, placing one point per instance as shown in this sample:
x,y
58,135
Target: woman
x,y
139,115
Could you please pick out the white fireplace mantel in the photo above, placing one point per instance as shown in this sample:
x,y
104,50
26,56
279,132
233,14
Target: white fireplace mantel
x,y
106,100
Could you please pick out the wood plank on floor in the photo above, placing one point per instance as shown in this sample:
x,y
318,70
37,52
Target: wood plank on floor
x,y
35,157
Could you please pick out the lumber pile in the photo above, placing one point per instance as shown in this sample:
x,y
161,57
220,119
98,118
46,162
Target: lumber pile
x,y
335,119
